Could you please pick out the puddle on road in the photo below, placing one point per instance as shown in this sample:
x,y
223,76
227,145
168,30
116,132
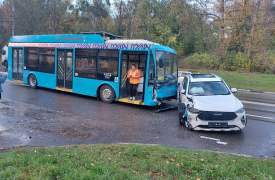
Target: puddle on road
x,y
11,112
20,111
2,128
22,138
6,103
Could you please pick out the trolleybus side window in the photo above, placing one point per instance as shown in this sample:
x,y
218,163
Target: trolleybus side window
x,y
107,65
85,63
41,59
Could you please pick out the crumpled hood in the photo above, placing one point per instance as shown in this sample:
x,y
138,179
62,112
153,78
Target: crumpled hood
x,y
220,103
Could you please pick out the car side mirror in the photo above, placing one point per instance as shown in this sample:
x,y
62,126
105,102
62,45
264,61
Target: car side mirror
x,y
234,90
182,91
181,108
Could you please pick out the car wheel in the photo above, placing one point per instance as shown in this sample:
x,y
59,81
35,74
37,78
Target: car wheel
x,y
32,81
180,119
188,125
5,63
107,94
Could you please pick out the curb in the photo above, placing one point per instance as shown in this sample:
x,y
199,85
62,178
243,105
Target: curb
x,y
255,91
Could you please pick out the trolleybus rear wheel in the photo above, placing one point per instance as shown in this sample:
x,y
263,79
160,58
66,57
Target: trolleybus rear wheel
x,y
32,81
107,94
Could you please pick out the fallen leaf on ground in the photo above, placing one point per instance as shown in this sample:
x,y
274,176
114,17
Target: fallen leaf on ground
x,y
188,171
155,172
172,159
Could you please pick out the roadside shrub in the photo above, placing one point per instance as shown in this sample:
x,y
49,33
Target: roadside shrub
x,y
198,61
232,62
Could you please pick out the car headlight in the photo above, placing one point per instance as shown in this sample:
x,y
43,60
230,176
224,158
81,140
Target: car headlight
x,y
241,110
193,110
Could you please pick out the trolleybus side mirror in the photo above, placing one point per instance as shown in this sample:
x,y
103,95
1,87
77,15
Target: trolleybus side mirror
x,y
161,63
151,76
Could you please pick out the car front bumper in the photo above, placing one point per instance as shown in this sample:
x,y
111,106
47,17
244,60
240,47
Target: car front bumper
x,y
224,125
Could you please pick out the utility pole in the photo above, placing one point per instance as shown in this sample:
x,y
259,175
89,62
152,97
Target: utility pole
x,y
54,18
13,26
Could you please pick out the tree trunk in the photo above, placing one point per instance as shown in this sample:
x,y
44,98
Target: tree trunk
x,y
244,27
221,33
254,21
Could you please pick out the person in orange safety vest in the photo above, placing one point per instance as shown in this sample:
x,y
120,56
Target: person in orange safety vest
x,y
134,77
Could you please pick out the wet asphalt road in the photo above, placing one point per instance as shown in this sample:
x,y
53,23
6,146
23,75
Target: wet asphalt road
x,y
44,117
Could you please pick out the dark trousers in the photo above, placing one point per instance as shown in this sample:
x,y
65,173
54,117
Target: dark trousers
x,y
133,89
0,95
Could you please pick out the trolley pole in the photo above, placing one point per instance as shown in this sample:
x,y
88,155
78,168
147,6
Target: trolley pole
x,y
13,25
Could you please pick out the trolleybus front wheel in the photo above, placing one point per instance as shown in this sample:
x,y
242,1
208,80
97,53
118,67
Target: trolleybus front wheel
x,y
32,81
107,94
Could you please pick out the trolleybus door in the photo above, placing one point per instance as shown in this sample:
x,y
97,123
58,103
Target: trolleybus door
x,y
65,68
17,64
139,58
123,75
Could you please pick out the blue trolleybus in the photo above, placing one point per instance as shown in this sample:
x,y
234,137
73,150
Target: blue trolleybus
x,y
88,65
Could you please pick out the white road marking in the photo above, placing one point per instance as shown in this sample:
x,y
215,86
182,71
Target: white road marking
x,y
220,142
204,137
258,103
259,116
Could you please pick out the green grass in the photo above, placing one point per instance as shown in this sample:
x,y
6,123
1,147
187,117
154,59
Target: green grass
x,y
129,162
250,81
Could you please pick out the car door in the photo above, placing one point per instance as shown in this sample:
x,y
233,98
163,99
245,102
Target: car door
x,y
184,84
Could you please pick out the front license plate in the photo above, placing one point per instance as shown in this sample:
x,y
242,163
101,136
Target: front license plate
x,y
218,125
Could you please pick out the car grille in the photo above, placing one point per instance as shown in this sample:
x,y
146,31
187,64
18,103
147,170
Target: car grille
x,y
216,116
207,127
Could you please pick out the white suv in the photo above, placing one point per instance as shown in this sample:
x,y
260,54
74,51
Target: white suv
x,y
209,104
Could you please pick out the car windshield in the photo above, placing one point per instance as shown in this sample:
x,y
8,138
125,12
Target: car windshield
x,y
166,68
209,88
